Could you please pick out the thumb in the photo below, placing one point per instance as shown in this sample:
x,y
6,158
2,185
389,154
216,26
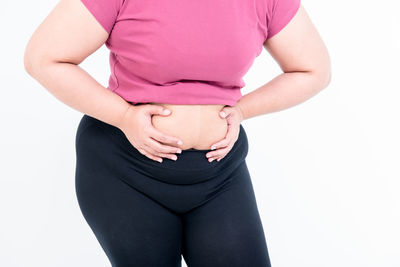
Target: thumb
x,y
225,112
160,110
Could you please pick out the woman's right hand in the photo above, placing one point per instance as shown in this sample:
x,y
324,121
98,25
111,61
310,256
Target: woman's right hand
x,y
139,130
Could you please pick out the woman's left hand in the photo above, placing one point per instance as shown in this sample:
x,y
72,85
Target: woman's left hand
x,y
234,116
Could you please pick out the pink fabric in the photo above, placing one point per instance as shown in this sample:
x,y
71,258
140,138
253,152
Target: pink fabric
x,y
186,51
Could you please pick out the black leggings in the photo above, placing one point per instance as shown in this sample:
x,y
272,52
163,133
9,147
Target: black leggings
x,y
146,213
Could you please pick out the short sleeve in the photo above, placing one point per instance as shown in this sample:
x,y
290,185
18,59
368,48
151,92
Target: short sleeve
x,y
104,11
279,14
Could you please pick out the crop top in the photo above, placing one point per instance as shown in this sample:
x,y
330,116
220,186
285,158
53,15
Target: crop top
x,y
186,51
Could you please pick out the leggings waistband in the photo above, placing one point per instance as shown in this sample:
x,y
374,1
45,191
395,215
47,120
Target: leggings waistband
x,y
192,165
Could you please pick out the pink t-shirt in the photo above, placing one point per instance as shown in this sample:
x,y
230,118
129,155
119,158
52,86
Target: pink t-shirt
x,y
186,51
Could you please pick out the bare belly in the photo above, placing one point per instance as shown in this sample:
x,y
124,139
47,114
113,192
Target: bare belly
x,y
198,126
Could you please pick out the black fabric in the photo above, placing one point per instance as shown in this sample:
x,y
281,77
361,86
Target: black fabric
x,y
146,213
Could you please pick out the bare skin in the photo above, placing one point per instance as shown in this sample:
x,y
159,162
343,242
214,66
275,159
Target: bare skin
x,y
69,34
198,126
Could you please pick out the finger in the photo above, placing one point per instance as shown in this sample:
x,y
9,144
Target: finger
x,y
142,151
169,156
149,155
224,154
232,134
219,152
226,151
161,148
218,159
160,154
220,144
151,150
163,155
157,109
161,137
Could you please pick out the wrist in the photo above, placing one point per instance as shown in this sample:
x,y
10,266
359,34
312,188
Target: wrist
x,y
240,111
123,117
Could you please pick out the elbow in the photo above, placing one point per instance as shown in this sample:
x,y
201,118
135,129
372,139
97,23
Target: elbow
x,y
31,61
35,64
28,58
326,78
28,64
326,75
323,75
34,60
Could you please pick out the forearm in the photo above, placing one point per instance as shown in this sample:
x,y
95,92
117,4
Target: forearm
x,y
73,86
285,90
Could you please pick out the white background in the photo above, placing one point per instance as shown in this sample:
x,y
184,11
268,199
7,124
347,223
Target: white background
x,y
325,172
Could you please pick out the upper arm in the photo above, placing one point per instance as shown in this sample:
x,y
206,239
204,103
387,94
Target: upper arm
x,y
72,31
295,44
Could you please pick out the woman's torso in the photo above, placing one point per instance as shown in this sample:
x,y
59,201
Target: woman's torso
x,y
190,53
182,52
198,126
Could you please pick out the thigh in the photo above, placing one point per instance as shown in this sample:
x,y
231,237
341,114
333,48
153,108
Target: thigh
x,y
226,230
132,229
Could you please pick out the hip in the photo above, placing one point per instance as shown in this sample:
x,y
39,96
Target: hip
x,y
104,148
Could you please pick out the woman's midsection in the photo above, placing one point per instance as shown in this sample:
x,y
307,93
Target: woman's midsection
x,y
198,126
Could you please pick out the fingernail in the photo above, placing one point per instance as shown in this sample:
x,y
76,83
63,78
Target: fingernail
x,y
180,142
213,147
179,151
210,160
174,157
223,114
160,160
166,111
